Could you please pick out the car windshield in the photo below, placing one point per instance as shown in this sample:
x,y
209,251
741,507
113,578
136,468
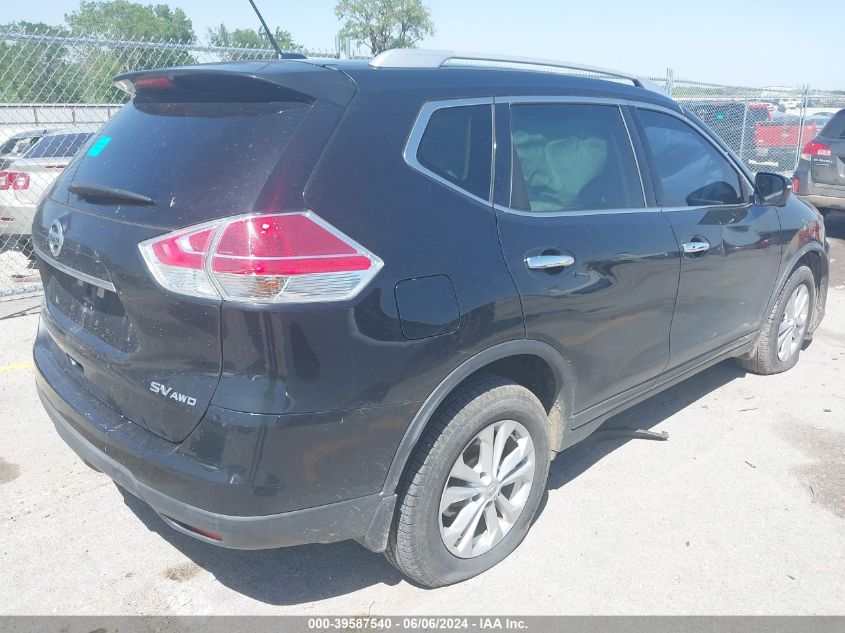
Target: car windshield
x,y
17,145
58,146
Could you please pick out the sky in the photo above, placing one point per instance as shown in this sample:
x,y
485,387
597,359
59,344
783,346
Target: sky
x,y
743,42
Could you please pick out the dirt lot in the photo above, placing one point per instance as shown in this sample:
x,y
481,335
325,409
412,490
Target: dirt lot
x,y
742,511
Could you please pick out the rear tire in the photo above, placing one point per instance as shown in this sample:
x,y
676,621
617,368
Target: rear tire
x,y
451,461
785,330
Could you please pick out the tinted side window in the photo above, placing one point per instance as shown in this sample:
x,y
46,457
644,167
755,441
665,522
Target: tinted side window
x,y
690,170
835,128
458,144
570,157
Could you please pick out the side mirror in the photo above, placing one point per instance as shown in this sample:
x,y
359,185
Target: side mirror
x,y
771,190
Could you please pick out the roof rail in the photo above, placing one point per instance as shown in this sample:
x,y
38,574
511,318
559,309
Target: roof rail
x,y
426,58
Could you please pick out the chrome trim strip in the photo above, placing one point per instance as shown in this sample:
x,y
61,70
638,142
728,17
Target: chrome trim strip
x,y
94,281
582,212
418,129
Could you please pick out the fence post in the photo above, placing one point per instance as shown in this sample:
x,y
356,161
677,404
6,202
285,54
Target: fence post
x,y
742,133
670,81
805,92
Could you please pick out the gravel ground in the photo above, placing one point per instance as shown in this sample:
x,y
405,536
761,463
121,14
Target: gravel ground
x,y
740,512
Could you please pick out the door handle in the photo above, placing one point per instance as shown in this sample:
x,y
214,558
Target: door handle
x,y
546,262
696,247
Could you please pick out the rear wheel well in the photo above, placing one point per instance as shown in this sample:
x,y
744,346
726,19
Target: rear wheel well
x,y
818,266
531,372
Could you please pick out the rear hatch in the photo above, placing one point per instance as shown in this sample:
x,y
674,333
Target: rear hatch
x,y
828,160
196,144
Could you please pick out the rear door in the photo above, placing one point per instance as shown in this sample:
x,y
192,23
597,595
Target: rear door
x,y
200,150
596,268
828,164
730,247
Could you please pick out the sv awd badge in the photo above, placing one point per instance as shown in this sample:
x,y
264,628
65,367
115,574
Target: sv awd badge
x,y
167,392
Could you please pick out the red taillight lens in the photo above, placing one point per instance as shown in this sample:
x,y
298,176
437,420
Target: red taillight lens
x,y
796,184
153,83
266,258
16,180
814,148
21,181
284,245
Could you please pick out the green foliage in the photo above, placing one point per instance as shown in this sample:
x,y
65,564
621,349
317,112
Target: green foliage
x,y
248,38
35,72
121,19
384,24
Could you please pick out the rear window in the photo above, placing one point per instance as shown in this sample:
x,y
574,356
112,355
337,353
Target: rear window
x,y
835,128
58,146
190,158
458,146
17,145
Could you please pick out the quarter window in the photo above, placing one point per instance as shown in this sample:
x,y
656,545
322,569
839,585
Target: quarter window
x,y
690,171
571,157
457,145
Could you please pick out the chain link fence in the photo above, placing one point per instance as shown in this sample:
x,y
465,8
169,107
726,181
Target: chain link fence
x,y
766,127
56,91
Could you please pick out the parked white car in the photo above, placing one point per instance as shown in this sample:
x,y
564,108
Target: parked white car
x,y
24,181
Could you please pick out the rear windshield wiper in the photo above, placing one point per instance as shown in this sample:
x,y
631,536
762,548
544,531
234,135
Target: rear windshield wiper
x,y
101,193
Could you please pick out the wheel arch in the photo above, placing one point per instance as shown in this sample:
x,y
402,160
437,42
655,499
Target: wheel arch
x,y
814,256
537,366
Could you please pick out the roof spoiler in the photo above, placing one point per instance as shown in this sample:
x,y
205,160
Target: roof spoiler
x,y
310,81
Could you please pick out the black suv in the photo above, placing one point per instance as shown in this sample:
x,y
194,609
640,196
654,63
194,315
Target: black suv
x,y
307,301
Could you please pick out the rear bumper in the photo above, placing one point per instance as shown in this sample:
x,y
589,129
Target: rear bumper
x,y
824,201
349,519
171,481
15,219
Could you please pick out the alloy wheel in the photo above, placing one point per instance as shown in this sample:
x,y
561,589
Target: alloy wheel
x,y
793,325
487,489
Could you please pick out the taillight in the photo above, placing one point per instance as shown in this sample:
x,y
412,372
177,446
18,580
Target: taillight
x,y
271,258
814,148
796,184
16,180
154,83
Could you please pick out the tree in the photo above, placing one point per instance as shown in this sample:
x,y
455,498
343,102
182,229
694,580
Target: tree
x,y
141,26
247,38
121,19
384,24
36,72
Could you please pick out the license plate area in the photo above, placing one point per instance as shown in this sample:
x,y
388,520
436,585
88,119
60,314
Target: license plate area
x,y
97,311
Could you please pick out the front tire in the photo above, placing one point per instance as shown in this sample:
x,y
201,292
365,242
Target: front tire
x,y
473,484
785,330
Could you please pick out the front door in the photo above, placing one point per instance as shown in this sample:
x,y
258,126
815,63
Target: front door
x,y
729,245
597,270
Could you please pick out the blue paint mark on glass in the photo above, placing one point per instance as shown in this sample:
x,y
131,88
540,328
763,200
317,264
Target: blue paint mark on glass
x,y
99,146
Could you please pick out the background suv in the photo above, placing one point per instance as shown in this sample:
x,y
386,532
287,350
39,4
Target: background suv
x,y
820,176
304,301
